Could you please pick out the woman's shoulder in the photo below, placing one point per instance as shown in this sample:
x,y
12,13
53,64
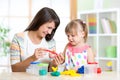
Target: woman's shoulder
x,y
19,36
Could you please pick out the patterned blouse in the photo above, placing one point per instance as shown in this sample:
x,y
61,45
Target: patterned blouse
x,y
20,48
75,56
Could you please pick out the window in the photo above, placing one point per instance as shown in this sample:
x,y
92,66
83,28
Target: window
x,y
17,14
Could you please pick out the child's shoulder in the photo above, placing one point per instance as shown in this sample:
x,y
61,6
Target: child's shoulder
x,y
87,46
78,49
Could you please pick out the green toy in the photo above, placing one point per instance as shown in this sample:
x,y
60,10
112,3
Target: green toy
x,y
55,73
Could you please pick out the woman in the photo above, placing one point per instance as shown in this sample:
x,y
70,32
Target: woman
x,y
28,46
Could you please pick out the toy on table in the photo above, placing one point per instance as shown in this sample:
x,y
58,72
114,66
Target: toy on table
x,y
81,70
90,68
54,69
99,70
70,72
43,68
33,68
55,72
42,72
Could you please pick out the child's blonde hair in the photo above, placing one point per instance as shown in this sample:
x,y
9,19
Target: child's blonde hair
x,y
76,26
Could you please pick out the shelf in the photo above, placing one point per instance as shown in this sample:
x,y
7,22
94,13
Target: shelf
x,y
103,33
107,34
113,59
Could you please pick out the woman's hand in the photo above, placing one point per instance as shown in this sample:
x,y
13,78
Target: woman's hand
x,y
59,59
39,53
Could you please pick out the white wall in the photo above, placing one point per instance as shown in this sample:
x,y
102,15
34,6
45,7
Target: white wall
x,y
14,14
62,7
97,4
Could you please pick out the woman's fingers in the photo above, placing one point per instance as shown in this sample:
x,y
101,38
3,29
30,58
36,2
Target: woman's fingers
x,y
39,53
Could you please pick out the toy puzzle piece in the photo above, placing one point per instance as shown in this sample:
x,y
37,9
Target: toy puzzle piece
x,y
70,72
54,69
56,73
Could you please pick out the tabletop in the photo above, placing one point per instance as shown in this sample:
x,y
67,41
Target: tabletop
x,y
26,76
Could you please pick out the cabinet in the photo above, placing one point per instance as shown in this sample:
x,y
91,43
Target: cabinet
x,y
104,36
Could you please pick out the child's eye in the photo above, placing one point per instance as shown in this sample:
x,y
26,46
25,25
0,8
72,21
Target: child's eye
x,y
67,35
73,35
70,36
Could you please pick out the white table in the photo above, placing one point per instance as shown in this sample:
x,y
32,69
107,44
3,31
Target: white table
x,y
26,76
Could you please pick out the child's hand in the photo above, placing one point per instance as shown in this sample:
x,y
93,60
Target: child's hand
x,y
59,59
52,55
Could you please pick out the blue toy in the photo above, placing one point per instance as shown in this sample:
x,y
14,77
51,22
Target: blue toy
x,y
81,70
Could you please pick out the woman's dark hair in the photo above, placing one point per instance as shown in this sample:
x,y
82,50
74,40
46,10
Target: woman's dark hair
x,y
43,16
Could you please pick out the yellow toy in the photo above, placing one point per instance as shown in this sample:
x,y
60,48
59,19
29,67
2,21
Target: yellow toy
x,y
109,66
54,69
55,72
70,72
109,63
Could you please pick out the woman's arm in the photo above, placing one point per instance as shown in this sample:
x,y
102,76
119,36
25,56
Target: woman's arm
x,y
16,52
21,66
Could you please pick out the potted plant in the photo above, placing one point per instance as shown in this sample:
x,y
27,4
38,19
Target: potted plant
x,y
4,43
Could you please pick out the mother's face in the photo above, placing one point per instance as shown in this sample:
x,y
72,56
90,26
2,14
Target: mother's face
x,y
46,29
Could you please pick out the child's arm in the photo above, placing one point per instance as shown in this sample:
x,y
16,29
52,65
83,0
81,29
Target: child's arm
x,y
60,58
91,55
64,52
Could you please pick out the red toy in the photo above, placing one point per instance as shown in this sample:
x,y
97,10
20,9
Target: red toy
x,y
99,70
50,51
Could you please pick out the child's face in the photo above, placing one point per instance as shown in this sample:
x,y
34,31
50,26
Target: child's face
x,y
75,38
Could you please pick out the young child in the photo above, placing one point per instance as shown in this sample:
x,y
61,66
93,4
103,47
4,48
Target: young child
x,y
77,52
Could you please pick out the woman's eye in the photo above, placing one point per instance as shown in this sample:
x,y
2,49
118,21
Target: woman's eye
x,y
50,28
